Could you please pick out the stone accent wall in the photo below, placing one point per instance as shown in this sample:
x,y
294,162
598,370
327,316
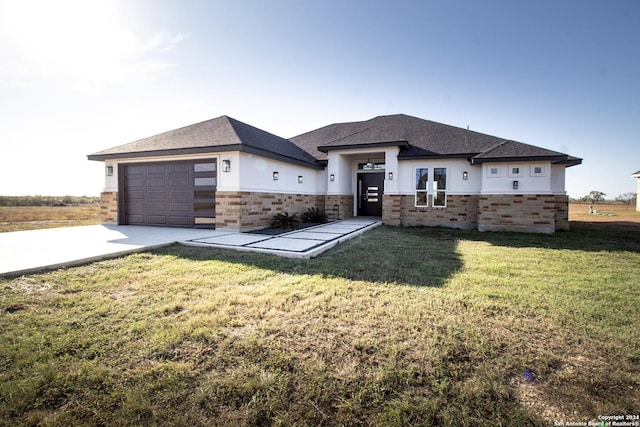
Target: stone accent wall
x,y
461,212
392,209
339,206
246,211
109,206
524,213
562,212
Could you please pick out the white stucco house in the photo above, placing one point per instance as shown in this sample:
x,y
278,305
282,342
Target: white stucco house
x,y
636,175
226,174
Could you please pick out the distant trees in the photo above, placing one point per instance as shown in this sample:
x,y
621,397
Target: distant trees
x,y
593,197
627,198
38,200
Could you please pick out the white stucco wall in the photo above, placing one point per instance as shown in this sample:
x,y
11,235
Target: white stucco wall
x,y
256,174
455,169
558,179
528,181
248,172
638,193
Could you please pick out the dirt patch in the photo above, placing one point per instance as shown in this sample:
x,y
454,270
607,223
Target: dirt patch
x,y
29,285
14,308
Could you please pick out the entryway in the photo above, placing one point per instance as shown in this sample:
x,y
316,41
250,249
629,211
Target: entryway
x,y
370,190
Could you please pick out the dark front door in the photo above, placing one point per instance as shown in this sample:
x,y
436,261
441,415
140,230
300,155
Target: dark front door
x,y
370,188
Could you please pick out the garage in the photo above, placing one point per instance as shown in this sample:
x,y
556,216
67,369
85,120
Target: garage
x,y
174,194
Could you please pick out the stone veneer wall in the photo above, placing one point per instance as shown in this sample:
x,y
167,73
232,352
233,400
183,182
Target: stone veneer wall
x,y
562,212
339,206
461,212
392,209
539,213
109,206
246,211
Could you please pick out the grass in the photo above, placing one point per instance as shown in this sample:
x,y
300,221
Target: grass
x,y
19,218
401,326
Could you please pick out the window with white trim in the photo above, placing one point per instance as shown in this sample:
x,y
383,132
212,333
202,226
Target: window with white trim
x,y
537,170
493,172
440,187
422,187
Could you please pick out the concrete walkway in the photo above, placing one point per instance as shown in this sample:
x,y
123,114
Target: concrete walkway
x,y
305,243
25,252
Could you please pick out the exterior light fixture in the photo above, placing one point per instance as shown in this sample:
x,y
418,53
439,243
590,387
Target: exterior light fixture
x,y
276,176
465,175
226,165
515,185
332,177
390,176
108,170
299,179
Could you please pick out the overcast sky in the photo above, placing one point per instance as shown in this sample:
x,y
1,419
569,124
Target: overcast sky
x,y
80,76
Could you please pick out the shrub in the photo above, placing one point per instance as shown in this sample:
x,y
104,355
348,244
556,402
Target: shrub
x,y
284,220
314,215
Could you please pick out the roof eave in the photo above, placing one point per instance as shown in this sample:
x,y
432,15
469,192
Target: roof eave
x,y
566,160
435,156
200,150
169,152
327,148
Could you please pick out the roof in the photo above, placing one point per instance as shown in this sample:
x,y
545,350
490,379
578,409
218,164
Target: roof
x,y
417,139
636,174
421,139
220,134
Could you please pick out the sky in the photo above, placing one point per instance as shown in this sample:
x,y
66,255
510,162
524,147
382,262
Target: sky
x,y
80,76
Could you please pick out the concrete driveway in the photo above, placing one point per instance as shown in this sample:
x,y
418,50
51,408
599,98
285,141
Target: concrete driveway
x,y
23,252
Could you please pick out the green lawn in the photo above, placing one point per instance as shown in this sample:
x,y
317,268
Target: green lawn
x,y
400,326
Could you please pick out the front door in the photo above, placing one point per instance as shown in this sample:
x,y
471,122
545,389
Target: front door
x,y
370,189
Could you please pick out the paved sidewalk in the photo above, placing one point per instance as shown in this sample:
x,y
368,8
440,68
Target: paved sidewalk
x,y
24,252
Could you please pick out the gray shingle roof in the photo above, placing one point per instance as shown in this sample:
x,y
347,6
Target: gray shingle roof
x,y
419,138
636,173
215,135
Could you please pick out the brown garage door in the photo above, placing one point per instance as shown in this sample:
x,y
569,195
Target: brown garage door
x,y
176,194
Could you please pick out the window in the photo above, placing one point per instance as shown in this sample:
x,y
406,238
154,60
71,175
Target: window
x,y
369,166
493,172
440,187
515,171
422,186
204,167
537,170
199,182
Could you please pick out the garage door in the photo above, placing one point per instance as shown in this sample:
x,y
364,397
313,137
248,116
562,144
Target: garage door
x,y
176,194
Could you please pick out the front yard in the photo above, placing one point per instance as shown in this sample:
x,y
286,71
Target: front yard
x,y
401,326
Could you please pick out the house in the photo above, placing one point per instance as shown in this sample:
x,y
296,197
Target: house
x,y
637,176
227,174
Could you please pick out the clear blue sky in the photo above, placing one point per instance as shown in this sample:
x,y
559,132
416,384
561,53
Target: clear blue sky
x,y
80,76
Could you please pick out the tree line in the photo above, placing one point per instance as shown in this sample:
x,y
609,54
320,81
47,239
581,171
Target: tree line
x,y
38,200
595,197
